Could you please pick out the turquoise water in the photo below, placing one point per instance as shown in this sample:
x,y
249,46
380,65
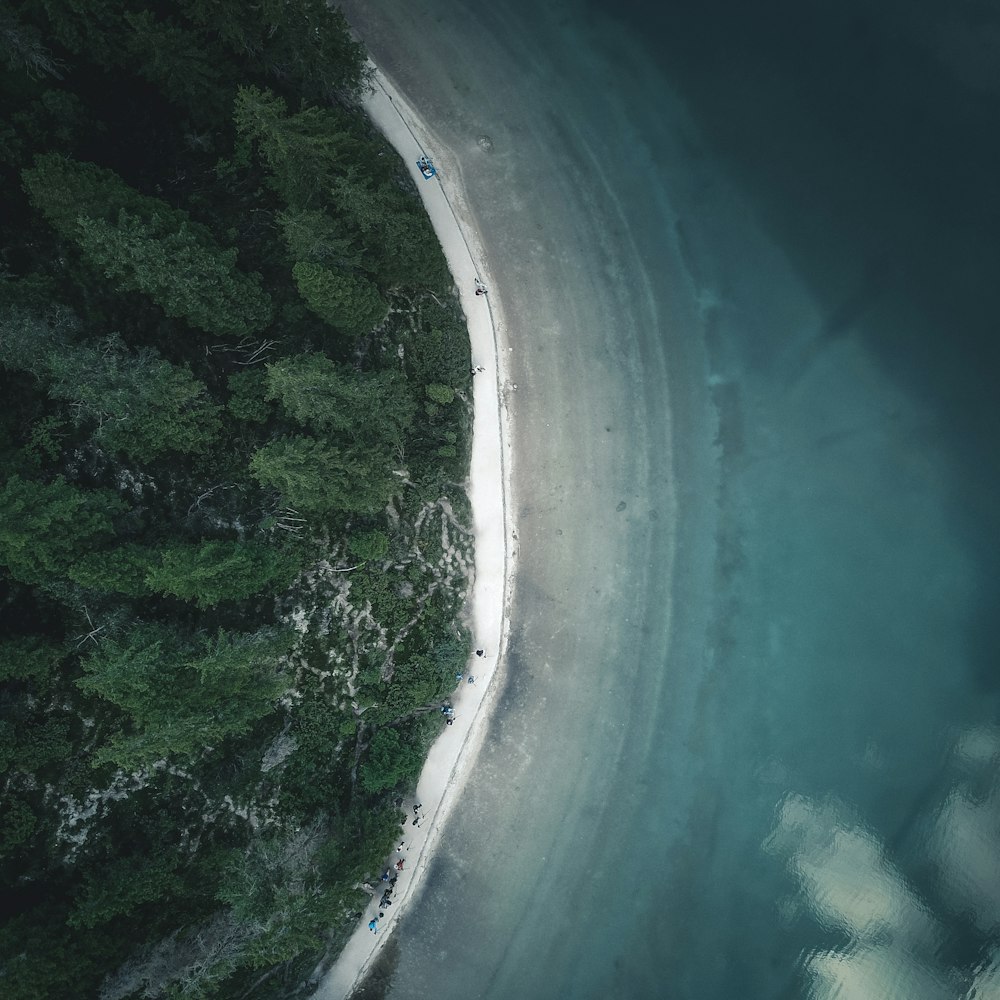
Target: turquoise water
x,y
748,257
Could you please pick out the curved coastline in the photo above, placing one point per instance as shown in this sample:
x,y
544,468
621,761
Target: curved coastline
x,y
453,754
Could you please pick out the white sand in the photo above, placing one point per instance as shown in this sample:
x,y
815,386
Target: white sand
x,y
454,753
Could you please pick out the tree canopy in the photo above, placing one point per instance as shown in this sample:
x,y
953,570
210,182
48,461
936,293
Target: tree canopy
x,y
180,694
143,245
233,536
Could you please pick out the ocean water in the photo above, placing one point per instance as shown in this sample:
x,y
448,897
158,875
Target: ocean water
x,y
748,256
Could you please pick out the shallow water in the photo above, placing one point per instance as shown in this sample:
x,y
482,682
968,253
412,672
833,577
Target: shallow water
x,y
747,255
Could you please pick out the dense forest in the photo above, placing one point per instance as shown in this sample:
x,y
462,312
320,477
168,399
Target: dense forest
x,y
233,528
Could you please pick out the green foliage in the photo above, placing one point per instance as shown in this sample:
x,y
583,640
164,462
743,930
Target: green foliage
x,y
317,478
141,405
186,279
210,572
32,747
28,338
406,249
368,545
22,47
439,353
247,400
307,42
121,570
122,886
301,151
28,658
175,59
142,244
182,695
440,393
17,823
347,302
316,237
148,239
390,761
44,525
419,681
312,390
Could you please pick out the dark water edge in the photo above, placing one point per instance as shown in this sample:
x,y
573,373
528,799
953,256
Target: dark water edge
x,y
864,144
869,151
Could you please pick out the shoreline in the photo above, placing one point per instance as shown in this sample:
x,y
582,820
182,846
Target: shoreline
x,y
454,752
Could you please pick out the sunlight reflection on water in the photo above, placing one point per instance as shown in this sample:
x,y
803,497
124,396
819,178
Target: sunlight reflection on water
x,y
894,939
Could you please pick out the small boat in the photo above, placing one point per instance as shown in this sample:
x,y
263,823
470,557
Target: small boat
x,y
426,168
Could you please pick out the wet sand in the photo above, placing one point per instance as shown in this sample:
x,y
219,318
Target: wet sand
x,y
595,508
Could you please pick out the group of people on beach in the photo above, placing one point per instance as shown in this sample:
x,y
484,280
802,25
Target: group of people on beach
x,y
391,875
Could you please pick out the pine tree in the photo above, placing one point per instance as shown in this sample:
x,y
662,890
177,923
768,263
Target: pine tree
x,y
43,526
210,572
347,302
139,403
143,244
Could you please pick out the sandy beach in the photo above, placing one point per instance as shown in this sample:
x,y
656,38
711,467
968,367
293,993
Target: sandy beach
x,y
453,755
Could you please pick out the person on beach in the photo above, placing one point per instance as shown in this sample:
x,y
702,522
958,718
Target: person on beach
x,y
385,875
472,680
480,652
480,288
450,720
399,865
373,925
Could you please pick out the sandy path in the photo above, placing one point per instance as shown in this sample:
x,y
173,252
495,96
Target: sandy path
x,y
454,753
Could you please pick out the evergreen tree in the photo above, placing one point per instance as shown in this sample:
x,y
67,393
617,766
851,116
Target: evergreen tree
x,y
390,761
183,277
121,570
43,526
304,42
123,885
179,695
402,244
210,572
317,478
142,244
174,58
29,658
374,408
141,405
347,302
315,237
303,152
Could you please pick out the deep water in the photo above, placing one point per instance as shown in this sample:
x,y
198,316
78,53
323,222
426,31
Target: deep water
x,y
750,742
